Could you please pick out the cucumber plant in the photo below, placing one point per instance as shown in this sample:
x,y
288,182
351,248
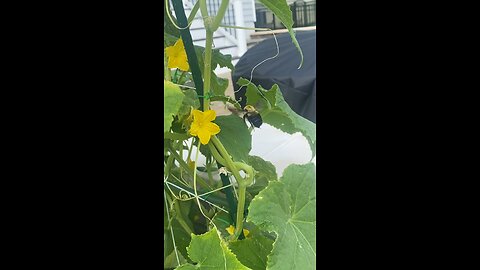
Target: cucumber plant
x,y
231,211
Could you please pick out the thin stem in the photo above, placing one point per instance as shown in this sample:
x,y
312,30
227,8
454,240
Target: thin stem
x,y
242,183
167,76
175,75
240,210
195,185
220,14
203,8
207,71
169,165
215,154
195,8
181,76
228,160
190,150
180,160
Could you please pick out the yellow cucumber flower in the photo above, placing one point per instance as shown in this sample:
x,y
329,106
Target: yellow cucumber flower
x,y
202,125
177,57
231,230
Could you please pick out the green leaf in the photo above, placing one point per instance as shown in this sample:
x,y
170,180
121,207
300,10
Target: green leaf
x,y
259,97
277,112
169,40
306,127
210,252
235,136
172,100
282,11
266,172
190,100
253,251
287,207
222,221
171,260
218,85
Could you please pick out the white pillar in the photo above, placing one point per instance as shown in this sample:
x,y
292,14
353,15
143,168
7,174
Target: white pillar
x,y
239,21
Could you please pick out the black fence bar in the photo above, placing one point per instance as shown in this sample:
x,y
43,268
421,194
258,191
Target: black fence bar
x,y
303,14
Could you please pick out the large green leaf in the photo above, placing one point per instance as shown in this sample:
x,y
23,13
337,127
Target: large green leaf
x,y
282,11
235,136
276,117
210,252
253,251
275,111
287,207
172,100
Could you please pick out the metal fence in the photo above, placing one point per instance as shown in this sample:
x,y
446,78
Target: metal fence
x,y
303,13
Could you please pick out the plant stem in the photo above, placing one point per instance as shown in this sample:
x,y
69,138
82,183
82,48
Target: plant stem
x,y
226,157
240,210
179,81
191,17
169,165
215,154
220,14
203,8
166,71
242,183
175,76
207,71
190,150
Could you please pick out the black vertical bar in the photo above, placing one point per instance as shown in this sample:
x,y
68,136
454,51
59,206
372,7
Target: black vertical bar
x,y
294,13
273,21
305,21
188,43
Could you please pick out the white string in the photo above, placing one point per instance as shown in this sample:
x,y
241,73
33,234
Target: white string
x,y
189,87
257,65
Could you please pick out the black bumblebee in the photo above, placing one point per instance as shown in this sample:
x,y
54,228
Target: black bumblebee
x,y
253,116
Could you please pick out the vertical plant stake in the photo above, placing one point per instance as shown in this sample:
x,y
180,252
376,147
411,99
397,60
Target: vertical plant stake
x,y
278,229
